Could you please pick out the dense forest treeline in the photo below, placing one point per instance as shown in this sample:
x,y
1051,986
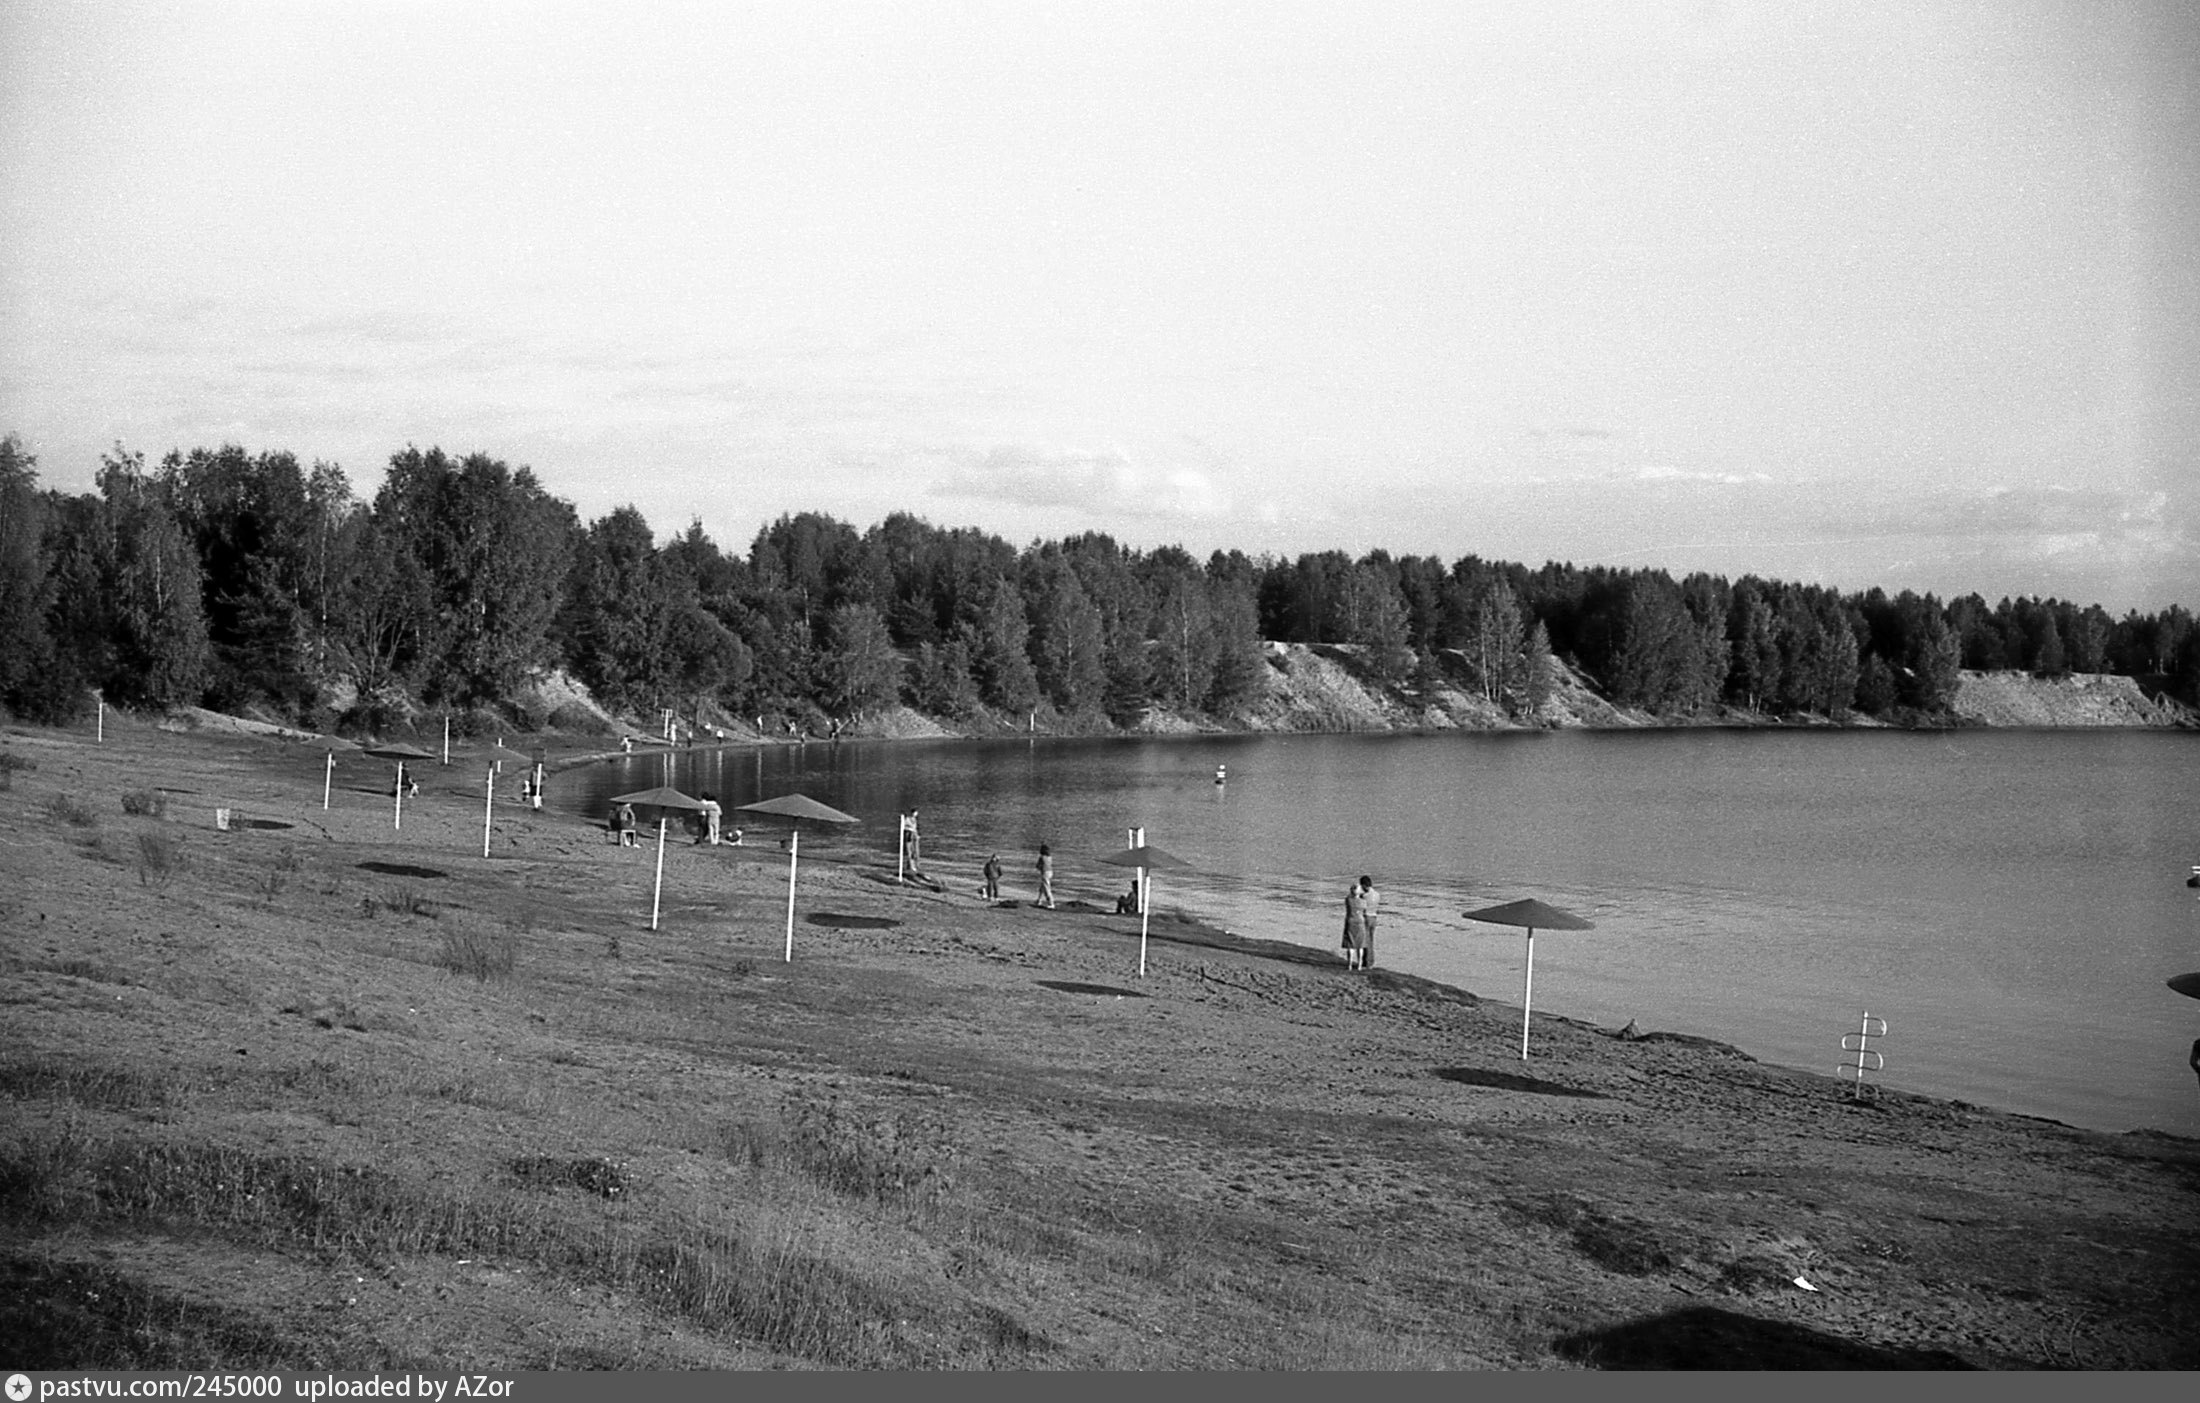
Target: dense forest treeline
x,y
234,580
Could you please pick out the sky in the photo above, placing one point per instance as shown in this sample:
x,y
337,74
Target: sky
x,y
1903,295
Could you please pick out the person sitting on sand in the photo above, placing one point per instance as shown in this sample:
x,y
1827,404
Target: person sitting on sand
x,y
1127,903
622,823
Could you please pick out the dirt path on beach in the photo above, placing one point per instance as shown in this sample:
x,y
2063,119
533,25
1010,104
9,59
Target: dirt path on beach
x,y
319,1092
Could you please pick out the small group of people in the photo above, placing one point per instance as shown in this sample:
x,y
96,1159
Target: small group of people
x,y
1361,902
991,887
707,822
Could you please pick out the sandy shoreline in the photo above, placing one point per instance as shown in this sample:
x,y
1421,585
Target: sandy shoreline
x,y
954,1135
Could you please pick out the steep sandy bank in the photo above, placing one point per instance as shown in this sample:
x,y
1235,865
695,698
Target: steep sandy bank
x,y
2082,699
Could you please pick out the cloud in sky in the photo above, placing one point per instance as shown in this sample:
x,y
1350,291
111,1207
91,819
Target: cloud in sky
x,y
1518,281
1102,486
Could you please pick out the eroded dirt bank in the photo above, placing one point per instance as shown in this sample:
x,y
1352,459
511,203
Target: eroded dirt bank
x,y
317,1092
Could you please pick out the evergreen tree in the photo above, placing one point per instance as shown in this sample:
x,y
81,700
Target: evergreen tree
x,y
861,669
997,637
34,681
1068,635
1240,667
162,656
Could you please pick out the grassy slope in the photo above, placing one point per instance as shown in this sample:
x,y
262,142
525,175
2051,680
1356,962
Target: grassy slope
x,y
329,1095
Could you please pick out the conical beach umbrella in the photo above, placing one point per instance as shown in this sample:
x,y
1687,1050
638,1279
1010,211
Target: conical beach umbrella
x,y
401,754
1535,916
664,800
1146,858
795,808
2187,984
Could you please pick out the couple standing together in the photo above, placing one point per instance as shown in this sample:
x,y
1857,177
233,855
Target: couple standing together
x,y
1360,905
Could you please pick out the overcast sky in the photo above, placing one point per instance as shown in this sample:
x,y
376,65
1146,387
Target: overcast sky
x,y
1855,294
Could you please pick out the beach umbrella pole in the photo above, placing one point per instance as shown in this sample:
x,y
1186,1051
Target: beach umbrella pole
x,y
1527,995
328,780
397,815
657,892
488,801
794,855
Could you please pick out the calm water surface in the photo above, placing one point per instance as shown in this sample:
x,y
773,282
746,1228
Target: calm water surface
x,y
2010,902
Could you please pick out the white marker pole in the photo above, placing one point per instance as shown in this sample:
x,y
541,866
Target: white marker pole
x,y
102,736
1527,995
397,817
1145,919
446,738
328,781
657,895
488,800
794,856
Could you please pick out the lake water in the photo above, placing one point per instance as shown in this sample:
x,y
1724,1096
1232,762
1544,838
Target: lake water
x,y
2010,902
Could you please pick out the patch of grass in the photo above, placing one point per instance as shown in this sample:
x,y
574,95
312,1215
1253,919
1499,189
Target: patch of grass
x,y
755,1280
145,803
276,878
605,1178
404,901
74,1316
1617,1243
893,1159
485,955
72,1079
10,762
68,809
160,858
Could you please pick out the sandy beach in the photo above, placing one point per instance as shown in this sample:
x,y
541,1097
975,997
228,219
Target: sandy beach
x,y
315,1092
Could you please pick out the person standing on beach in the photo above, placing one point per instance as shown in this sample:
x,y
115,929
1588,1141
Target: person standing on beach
x,y
1046,877
993,878
1370,902
1355,925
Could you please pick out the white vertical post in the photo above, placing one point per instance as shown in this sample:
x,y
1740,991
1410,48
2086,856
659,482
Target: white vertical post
x,y
794,855
1527,995
397,815
1138,840
328,781
657,893
1145,919
488,802
446,738
901,851
102,736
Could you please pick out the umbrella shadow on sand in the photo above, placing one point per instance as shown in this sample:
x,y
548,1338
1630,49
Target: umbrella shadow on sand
x,y
837,921
403,869
1512,1081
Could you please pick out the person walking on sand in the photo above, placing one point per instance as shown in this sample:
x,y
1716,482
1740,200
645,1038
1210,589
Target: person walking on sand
x,y
993,878
1355,925
1370,902
1046,877
712,814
